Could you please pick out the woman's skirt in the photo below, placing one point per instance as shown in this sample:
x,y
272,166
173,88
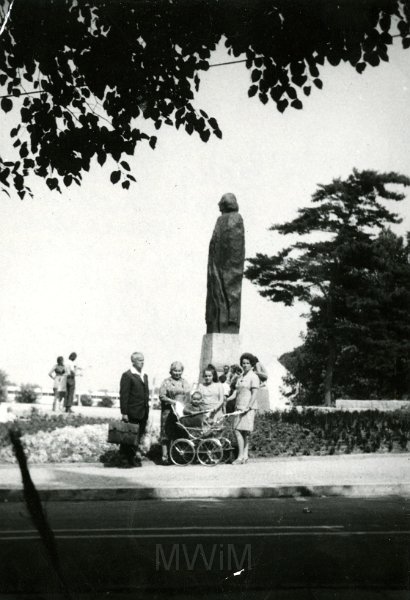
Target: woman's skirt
x,y
167,425
244,422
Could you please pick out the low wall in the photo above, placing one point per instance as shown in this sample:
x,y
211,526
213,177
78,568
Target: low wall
x,y
344,404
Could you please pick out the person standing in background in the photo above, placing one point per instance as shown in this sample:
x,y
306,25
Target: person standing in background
x,y
234,373
72,369
59,377
223,377
215,377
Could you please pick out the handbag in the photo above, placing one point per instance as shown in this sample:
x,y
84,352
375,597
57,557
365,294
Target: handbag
x,y
120,432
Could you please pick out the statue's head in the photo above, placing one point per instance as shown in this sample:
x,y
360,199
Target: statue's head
x,y
228,203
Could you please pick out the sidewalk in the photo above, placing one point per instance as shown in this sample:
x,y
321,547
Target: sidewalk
x,y
343,475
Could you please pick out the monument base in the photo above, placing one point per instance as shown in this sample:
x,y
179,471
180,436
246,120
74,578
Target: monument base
x,y
263,402
220,349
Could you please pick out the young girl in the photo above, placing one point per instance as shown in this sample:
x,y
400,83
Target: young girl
x,y
212,393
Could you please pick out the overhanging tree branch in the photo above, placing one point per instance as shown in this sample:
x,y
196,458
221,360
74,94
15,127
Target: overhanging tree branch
x,y
76,48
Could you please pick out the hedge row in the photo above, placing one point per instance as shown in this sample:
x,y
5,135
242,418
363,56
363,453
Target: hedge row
x,y
75,438
313,432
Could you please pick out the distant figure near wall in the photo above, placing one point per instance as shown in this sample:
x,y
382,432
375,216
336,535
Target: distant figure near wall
x,y
71,372
225,269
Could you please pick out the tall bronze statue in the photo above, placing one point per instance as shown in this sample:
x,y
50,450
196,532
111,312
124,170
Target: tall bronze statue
x,y
225,269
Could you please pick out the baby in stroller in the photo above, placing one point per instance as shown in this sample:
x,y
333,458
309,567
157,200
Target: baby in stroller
x,y
195,414
199,434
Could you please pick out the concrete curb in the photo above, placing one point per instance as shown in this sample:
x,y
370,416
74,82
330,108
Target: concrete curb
x,y
198,493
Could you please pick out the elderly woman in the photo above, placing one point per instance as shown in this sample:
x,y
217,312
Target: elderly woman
x,y
245,394
173,389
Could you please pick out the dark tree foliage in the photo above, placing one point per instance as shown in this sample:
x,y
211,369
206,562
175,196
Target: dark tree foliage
x,y
354,283
373,341
100,69
374,359
303,382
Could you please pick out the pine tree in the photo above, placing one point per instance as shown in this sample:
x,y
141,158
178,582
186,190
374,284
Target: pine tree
x,y
377,324
325,272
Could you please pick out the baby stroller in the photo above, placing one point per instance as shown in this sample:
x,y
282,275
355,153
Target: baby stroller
x,y
196,437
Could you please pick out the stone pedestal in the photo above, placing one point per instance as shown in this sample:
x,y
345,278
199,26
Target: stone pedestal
x,y
220,349
262,399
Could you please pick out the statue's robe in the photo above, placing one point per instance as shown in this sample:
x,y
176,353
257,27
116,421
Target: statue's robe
x,y
225,273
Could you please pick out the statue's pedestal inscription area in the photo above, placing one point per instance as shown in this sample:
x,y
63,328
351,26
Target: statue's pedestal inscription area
x,y
220,349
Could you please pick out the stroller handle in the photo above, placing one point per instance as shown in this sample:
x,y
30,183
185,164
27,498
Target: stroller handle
x,y
236,413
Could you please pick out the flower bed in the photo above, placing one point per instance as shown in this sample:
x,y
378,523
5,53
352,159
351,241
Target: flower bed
x,y
67,444
37,421
59,438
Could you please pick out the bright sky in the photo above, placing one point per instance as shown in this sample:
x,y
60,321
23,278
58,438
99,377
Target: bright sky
x,y
105,272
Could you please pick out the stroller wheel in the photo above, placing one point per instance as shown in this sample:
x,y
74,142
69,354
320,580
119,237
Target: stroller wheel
x,y
209,452
182,452
227,449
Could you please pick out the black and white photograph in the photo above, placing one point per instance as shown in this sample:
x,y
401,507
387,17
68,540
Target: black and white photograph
x,y
205,299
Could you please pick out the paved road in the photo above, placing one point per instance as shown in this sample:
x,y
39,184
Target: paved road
x,y
221,546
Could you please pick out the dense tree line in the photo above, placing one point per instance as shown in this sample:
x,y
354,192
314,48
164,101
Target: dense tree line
x,y
93,79
356,280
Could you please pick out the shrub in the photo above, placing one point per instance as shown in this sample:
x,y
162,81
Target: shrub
x,y
106,402
27,394
337,432
86,400
68,444
75,442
